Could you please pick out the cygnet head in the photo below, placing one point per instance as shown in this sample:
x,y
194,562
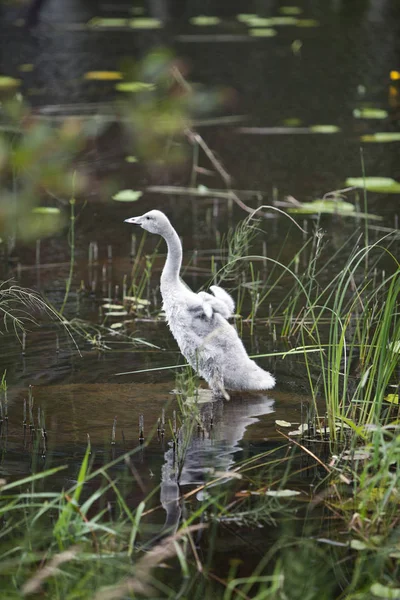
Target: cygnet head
x,y
154,221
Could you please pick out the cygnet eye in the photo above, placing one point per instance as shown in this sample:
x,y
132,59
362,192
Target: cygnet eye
x,y
148,218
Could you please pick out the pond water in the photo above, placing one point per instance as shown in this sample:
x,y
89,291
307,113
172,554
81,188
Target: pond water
x,y
316,74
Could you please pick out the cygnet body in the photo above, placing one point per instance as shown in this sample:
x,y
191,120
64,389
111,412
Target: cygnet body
x,y
199,323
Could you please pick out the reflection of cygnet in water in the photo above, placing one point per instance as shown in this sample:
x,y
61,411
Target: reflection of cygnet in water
x,y
203,456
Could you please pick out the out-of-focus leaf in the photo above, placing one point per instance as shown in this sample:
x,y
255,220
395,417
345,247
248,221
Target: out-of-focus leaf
x,y
307,23
324,129
127,196
282,493
46,210
383,591
290,10
204,21
339,207
7,83
131,159
379,138
392,398
370,113
145,23
107,23
283,423
266,32
104,75
134,86
385,185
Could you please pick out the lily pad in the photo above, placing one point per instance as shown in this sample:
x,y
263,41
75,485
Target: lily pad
x,y
302,429
134,86
131,159
7,83
324,207
389,136
385,185
245,17
255,21
290,10
104,75
283,423
324,129
282,493
266,32
204,21
145,23
127,196
113,306
107,23
46,210
370,113
307,23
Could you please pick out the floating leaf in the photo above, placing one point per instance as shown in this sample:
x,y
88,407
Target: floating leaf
x,y
392,398
26,68
116,313
134,86
111,23
116,325
104,75
283,423
302,428
383,591
282,493
292,122
127,196
131,159
375,184
324,128
369,113
266,32
307,23
256,21
203,20
245,17
113,306
7,83
46,210
139,301
144,23
389,136
339,207
290,10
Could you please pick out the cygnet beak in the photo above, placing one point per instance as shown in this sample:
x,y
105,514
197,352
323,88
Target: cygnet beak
x,y
134,220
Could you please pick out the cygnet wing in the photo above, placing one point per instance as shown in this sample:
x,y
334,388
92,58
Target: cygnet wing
x,y
224,297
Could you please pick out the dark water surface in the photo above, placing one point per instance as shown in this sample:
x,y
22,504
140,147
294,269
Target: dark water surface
x,y
343,63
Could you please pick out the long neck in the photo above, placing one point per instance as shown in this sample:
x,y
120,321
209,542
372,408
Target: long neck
x,y
172,267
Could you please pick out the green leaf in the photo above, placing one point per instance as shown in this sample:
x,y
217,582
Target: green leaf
x,y
385,185
324,129
390,136
392,398
134,86
282,493
107,23
204,21
264,32
245,17
127,196
145,23
369,113
383,591
290,10
131,159
337,207
283,423
307,23
46,210
358,545
7,83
